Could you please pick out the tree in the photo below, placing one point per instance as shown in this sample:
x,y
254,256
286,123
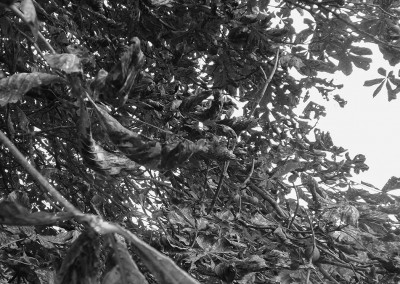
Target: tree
x,y
124,160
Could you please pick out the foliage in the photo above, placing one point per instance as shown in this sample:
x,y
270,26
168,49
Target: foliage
x,y
130,110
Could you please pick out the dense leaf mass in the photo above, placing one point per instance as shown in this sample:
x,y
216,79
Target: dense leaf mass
x,y
190,124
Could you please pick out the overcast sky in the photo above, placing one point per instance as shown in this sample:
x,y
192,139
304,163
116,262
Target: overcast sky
x,y
366,125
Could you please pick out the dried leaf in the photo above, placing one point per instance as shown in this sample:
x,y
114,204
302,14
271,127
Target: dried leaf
x,y
14,87
69,63
98,159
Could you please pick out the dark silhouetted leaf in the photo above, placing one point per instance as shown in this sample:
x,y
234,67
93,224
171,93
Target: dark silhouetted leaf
x,y
372,82
382,71
377,90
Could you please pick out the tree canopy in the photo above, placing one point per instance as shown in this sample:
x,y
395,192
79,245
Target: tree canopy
x,y
160,141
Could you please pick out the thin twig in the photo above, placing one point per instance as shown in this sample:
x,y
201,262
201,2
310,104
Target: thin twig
x,y
267,81
314,246
243,185
221,180
37,176
297,206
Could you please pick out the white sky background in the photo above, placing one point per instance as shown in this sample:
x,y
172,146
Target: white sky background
x,y
366,125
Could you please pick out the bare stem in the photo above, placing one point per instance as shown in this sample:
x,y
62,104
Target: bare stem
x,y
36,175
267,81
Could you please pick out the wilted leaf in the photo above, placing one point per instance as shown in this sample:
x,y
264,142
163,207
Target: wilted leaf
x,y
29,11
14,87
98,159
69,63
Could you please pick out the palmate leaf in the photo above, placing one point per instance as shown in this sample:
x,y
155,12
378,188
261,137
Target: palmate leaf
x,y
14,87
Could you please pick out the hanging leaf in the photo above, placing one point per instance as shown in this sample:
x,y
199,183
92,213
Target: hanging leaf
x,y
372,82
98,159
145,151
121,79
14,87
29,11
69,63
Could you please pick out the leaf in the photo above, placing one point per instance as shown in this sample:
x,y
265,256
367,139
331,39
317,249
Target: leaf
x,y
144,151
69,63
372,82
345,65
112,277
127,268
391,92
81,261
162,267
382,71
377,90
29,11
14,87
98,159
361,62
360,50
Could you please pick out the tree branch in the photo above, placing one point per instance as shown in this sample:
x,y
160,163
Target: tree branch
x,y
267,81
